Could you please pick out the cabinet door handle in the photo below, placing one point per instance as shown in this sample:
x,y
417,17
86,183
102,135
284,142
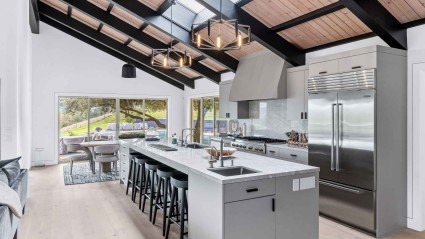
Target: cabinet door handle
x,y
251,190
323,72
293,155
305,115
356,67
273,204
302,115
272,151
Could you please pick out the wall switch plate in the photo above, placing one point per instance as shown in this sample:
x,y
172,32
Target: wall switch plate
x,y
307,183
295,185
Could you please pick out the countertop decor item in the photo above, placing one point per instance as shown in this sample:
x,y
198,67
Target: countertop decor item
x,y
227,151
218,37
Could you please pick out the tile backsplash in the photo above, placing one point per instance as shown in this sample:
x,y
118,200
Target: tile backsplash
x,y
268,119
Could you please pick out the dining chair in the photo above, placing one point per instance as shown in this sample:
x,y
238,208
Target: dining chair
x,y
106,154
86,156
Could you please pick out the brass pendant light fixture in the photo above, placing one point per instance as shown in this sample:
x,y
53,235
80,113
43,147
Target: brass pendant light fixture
x,y
171,57
216,31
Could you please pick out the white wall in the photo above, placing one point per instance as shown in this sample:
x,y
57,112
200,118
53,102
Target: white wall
x,y
15,65
416,134
65,65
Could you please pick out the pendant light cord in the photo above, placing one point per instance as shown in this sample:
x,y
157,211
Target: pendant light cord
x,y
171,21
221,10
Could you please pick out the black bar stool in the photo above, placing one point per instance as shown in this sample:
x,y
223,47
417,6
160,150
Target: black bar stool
x,y
179,183
140,175
163,192
131,172
149,190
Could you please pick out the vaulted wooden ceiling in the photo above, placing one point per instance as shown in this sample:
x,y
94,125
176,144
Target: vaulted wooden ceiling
x,y
130,29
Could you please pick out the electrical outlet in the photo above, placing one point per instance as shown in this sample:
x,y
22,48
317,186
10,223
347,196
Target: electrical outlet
x,y
295,185
307,183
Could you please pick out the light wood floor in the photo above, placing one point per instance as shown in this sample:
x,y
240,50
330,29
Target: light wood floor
x,y
103,211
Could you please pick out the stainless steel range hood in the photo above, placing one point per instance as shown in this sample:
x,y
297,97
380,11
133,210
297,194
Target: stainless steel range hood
x,y
260,76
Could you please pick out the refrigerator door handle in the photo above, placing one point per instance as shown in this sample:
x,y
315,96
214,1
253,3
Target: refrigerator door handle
x,y
338,136
333,185
333,139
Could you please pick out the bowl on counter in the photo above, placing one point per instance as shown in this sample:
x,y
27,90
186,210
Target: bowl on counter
x,y
227,151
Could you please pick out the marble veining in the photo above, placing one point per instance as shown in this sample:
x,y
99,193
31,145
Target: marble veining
x,y
196,160
268,118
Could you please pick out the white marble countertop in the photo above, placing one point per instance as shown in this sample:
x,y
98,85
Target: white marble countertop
x,y
286,146
196,161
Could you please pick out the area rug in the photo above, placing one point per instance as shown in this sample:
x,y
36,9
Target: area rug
x,y
82,174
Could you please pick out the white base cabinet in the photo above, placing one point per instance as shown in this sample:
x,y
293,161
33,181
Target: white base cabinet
x,y
124,162
250,219
273,208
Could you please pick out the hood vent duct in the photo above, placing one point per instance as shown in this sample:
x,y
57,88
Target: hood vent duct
x,y
260,76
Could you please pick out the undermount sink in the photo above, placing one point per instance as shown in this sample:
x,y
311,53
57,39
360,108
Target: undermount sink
x,y
233,171
197,146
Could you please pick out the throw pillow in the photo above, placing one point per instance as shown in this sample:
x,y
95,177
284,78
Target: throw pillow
x,y
12,171
3,177
7,161
10,198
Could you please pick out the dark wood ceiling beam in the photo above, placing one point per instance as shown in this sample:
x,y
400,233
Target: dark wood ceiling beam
x,y
109,51
379,20
164,7
91,33
414,23
182,35
309,16
242,3
34,17
260,32
136,34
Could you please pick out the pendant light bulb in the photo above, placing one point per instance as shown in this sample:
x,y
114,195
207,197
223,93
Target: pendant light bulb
x,y
181,62
218,42
198,39
239,40
190,60
165,61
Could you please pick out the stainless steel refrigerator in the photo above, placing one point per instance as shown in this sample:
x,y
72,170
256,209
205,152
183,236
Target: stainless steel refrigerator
x,y
342,126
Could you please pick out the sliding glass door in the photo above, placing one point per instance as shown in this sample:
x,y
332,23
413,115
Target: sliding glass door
x,y
94,118
205,119
103,119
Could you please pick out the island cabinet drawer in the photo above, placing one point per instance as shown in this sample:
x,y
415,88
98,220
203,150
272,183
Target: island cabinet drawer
x,y
358,62
323,68
273,152
249,189
294,155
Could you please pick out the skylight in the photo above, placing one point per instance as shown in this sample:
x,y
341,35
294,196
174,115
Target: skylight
x,y
192,5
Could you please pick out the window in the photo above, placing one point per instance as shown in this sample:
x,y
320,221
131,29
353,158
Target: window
x,y
90,118
192,5
205,119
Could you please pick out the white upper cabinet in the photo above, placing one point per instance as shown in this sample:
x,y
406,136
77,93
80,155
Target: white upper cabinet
x,y
297,94
358,62
230,109
360,59
324,68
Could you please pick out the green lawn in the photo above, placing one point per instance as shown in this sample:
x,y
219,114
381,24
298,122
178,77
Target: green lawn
x,y
103,123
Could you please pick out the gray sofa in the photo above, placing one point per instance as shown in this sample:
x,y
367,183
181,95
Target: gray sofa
x,y
8,222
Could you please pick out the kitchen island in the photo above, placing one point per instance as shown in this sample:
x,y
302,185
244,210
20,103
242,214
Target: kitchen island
x,y
278,200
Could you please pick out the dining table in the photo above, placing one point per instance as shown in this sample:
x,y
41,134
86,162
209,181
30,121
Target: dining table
x,y
106,167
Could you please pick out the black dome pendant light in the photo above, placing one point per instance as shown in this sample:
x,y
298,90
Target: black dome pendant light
x,y
128,71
